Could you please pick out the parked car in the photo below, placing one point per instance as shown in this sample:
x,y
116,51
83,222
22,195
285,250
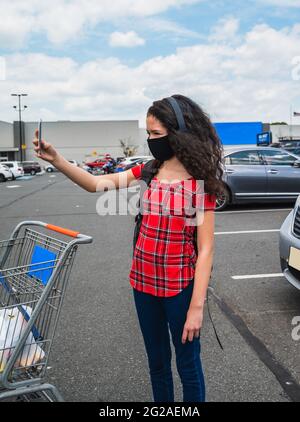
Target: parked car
x,y
295,150
136,163
259,174
86,168
289,144
289,246
74,162
122,166
97,163
5,173
15,167
31,167
49,168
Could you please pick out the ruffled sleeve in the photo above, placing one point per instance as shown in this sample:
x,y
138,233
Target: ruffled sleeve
x,y
203,200
209,201
137,170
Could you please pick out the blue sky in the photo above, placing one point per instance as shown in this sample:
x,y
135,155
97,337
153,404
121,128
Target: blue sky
x,y
198,18
120,56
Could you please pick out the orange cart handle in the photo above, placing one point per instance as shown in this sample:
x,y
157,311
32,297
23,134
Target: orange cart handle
x,y
62,230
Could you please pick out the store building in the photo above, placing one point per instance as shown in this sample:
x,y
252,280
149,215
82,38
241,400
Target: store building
x,y
86,140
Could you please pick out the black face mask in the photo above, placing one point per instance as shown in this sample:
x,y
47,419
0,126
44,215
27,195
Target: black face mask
x,y
160,148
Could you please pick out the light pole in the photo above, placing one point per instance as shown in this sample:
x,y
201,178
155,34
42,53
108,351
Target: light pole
x,y
20,119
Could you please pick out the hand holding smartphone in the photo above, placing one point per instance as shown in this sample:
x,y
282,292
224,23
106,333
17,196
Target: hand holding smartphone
x,y
42,148
40,135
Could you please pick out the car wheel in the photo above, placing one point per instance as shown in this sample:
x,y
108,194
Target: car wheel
x,y
2,178
13,177
49,170
32,172
223,200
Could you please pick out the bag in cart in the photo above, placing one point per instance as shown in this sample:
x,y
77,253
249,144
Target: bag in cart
x,y
12,325
34,271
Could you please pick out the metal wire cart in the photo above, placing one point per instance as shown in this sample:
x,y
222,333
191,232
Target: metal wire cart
x,y
34,272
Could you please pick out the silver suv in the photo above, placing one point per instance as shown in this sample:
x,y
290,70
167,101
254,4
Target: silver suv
x,y
289,246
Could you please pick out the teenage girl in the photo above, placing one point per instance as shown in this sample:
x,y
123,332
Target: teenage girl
x,y
169,279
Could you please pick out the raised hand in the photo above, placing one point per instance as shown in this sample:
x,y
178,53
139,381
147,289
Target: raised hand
x,y
47,153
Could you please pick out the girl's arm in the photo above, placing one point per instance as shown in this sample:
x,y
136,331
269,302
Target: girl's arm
x,y
79,176
94,183
205,245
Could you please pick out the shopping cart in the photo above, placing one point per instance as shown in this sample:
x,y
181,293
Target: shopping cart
x,y
34,271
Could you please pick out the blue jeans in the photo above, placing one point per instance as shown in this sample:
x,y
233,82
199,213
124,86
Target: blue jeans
x,y
154,314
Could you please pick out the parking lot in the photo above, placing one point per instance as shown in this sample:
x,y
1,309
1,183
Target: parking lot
x,y
99,355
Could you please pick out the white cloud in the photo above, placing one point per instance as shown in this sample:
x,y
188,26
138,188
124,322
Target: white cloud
x,y
225,29
162,26
125,39
251,80
16,24
63,20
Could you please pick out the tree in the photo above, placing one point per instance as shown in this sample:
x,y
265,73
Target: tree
x,y
128,150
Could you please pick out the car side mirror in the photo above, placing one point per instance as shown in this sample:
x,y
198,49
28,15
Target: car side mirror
x,y
297,163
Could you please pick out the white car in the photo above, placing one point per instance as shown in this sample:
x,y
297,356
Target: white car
x,y
132,160
74,162
49,168
5,173
135,158
15,167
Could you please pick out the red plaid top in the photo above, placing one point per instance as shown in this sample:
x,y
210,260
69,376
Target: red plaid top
x,y
164,257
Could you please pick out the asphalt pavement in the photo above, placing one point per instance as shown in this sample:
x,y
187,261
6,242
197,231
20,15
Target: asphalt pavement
x,y
98,353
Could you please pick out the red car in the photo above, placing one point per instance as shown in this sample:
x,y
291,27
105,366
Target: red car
x,y
97,163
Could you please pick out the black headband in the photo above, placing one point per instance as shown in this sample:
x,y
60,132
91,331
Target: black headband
x,y
178,113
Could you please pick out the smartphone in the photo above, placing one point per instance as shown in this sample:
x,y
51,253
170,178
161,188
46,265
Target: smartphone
x,y
40,135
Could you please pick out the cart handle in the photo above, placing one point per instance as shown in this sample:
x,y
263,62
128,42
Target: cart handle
x,y
62,230
81,238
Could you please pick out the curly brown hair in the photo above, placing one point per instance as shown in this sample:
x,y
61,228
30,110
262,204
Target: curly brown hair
x,y
200,149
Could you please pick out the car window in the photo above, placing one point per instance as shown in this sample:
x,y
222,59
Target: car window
x,y
9,164
243,158
290,144
278,158
294,150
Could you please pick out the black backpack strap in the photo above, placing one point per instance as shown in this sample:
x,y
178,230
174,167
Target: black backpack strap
x,y
148,171
147,174
215,331
210,317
